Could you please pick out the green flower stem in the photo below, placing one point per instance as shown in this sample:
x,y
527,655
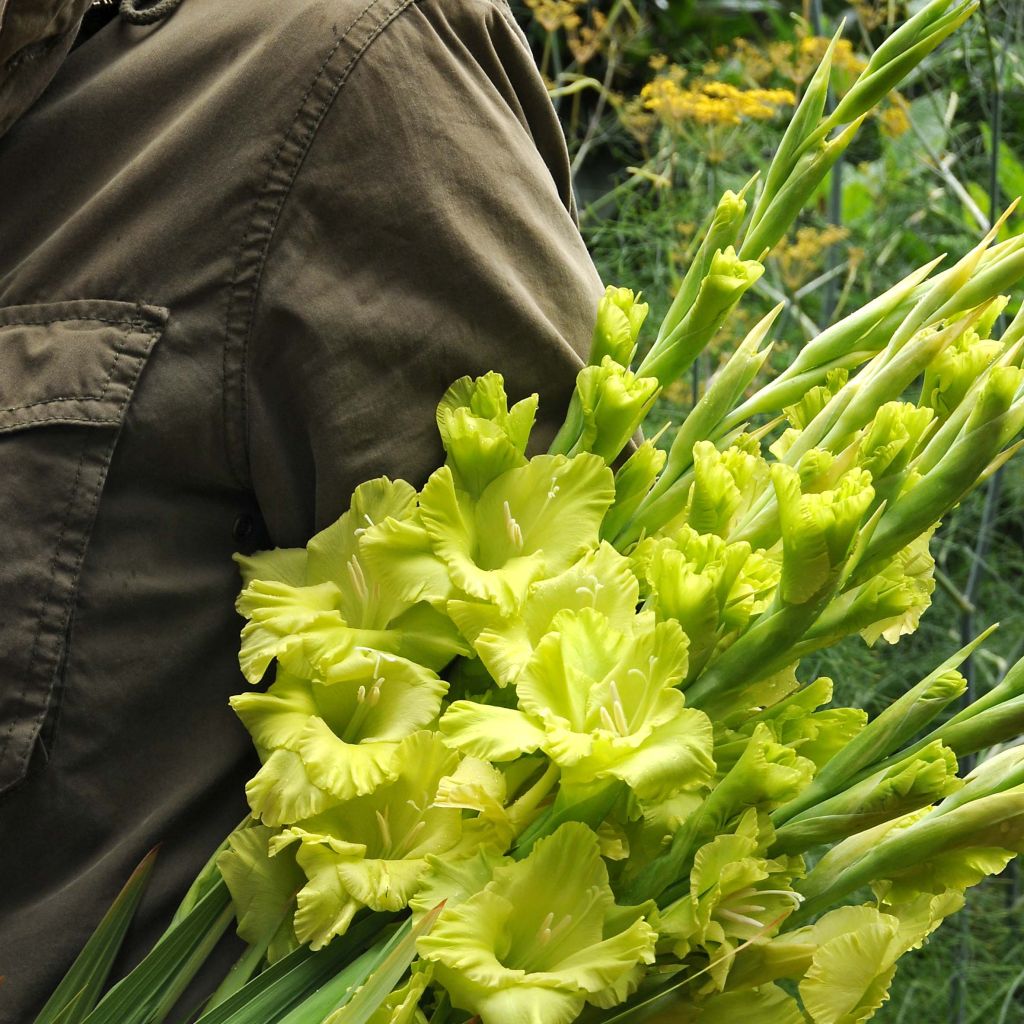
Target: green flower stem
x,y
525,805
721,394
988,821
899,722
906,786
844,344
762,650
591,809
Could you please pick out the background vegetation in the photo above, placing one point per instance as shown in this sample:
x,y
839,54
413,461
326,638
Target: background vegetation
x,y
666,103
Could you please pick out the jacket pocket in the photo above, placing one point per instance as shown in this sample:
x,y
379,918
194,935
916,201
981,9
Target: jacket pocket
x,y
68,371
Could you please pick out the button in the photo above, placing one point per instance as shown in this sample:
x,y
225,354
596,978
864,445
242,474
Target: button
x,y
244,528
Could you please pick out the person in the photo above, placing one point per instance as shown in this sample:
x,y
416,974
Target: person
x,y
246,247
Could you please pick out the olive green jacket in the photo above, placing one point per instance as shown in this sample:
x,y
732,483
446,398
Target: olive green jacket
x,y
243,251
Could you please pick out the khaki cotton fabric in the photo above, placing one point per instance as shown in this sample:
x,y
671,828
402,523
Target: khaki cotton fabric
x,y
243,251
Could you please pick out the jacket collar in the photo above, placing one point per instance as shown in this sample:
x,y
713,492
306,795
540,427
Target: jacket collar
x,y
35,37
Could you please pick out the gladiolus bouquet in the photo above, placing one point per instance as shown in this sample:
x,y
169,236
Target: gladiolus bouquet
x,y
537,748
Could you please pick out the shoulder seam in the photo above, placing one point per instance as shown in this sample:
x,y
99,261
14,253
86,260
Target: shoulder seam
x,y
265,211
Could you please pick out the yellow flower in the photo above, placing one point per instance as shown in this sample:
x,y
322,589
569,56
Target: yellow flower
x,y
893,121
798,258
553,15
711,103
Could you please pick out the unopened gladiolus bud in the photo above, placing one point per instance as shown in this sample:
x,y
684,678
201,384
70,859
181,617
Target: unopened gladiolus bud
x,y
884,72
915,782
899,722
722,232
791,198
846,344
620,315
727,279
613,403
802,126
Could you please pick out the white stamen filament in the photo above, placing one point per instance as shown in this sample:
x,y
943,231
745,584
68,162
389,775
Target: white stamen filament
x,y
360,694
512,528
385,828
359,531
373,697
618,711
739,918
544,931
606,719
796,897
410,839
357,578
747,908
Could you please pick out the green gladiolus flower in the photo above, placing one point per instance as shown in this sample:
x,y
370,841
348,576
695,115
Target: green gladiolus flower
x,y
817,529
620,315
736,894
766,775
326,742
954,370
795,722
482,436
602,704
542,939
854,956
528,523
613,403
263,889
725,486
312,609
711,588
371,851
601,580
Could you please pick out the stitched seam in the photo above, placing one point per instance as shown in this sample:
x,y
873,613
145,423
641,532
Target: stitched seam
x,y
119,350
239,460
5,745
8,428
142,325
52,401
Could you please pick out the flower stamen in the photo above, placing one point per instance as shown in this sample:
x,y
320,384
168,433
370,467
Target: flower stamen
x,y
512,529
357,578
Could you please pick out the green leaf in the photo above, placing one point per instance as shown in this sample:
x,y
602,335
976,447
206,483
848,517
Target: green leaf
x,y
391,964
282,987
80,988
133,999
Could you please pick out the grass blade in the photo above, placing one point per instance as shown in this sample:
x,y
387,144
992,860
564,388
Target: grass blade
x,y
133,999
282,987
80,989
395,959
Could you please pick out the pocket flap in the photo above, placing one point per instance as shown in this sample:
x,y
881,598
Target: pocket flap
x,y
72,362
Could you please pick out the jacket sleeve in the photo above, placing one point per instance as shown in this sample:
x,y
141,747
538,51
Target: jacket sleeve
x,y
430,233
